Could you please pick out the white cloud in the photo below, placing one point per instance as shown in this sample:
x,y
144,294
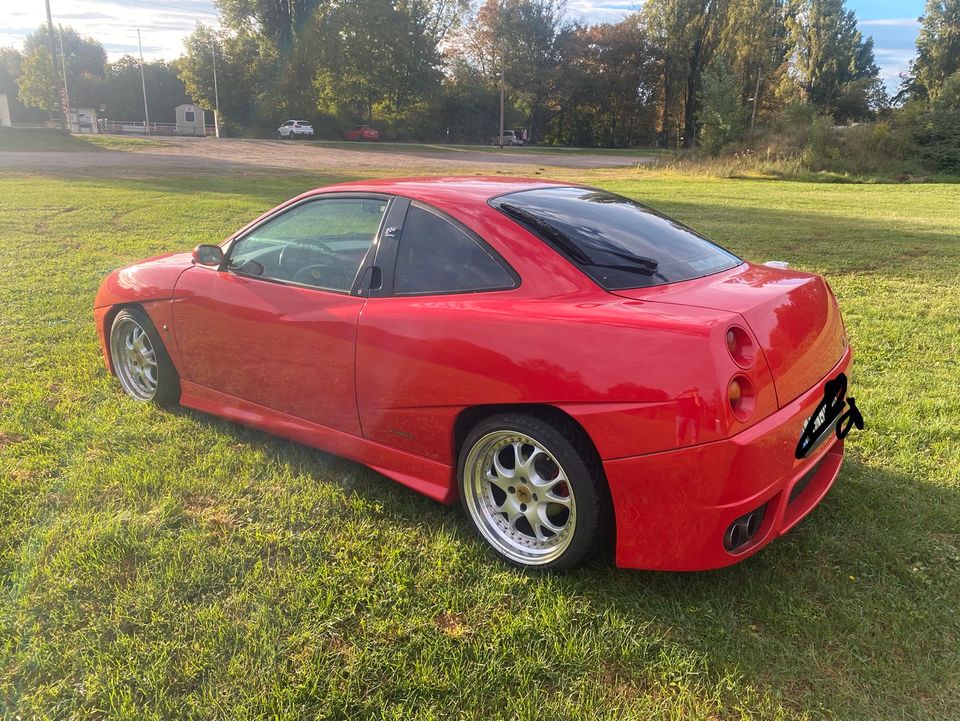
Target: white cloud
x,y
891,22
163,25
892,62
605,11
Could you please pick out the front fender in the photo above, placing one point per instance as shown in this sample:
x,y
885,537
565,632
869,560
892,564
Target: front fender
x,y
145,283
152,279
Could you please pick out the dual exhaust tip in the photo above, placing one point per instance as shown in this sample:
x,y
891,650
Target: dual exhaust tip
x,y
743,529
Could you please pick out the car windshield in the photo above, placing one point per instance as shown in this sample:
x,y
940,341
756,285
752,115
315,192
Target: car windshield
x,y
616,241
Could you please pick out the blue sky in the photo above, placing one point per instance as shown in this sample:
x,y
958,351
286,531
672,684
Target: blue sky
x,y
164,24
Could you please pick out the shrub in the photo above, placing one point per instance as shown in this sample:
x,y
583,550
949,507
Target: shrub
x,y
722,119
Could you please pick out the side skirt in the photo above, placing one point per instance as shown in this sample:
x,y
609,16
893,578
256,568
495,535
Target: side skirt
x,y
432,479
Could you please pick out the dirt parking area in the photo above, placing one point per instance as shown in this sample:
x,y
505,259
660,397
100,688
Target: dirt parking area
x,y
250,156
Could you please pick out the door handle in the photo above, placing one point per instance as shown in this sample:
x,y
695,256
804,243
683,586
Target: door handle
x,y
372,279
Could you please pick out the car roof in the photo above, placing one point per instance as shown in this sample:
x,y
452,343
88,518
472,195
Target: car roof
x,y
443,190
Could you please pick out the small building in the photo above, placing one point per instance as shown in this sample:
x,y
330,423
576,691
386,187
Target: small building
x,y
83,121
4,111
191,120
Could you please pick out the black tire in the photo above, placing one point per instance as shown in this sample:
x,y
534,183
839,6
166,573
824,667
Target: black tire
x,y
166,391
576,458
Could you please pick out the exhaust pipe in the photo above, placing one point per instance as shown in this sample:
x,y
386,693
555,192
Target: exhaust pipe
x,y
743,529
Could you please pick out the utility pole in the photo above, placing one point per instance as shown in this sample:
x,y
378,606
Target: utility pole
x,y
501,100
143,83
756,95
53,59
66,92
216,92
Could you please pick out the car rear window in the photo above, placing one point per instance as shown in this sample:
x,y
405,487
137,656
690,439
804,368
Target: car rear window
x,y
618,242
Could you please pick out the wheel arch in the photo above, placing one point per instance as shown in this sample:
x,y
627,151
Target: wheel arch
x,y
469,417
150,309
108,319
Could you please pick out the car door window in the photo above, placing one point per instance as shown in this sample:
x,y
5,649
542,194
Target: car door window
x,y
320,243
436,256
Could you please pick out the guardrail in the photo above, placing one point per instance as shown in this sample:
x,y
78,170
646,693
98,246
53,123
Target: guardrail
x,y
125,127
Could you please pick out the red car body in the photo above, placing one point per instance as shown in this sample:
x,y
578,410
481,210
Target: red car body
x,y
362,132
390,381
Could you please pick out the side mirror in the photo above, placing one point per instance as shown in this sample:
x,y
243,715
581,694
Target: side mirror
x,y
205,254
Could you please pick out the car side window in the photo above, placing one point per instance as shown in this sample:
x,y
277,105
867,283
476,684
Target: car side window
x,y
436,256
320,243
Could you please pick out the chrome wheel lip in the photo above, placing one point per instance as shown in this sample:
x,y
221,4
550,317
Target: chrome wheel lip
x,y
489,517
134,359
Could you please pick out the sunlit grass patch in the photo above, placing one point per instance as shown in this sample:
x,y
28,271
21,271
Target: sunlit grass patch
x,y
158,564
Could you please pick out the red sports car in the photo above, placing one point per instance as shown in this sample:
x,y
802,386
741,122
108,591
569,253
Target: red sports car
x,y
569,363
362,132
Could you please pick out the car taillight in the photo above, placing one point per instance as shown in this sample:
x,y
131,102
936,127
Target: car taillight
x,y
741,397
741,347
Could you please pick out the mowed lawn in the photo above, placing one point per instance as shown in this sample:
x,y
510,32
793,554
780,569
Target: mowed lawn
x,y
159,565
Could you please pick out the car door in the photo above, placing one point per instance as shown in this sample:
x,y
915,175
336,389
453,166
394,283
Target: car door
x,y
415,363
276,323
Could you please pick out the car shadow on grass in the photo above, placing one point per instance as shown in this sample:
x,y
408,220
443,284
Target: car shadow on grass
x,y
853,613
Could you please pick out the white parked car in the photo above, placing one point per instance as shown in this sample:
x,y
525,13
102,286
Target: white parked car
x,y
293,129
509,138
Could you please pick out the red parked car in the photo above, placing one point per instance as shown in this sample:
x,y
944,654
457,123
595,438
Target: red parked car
x,y
567,362
362,132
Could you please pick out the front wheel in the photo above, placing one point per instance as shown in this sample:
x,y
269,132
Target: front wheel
x,y
534,492
140,360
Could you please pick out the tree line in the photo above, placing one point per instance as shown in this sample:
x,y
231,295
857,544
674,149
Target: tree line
x,y
677,73
113,90
429,69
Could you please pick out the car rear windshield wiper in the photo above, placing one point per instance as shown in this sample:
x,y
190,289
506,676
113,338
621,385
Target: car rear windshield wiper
x,y
640,260
547,231
642,265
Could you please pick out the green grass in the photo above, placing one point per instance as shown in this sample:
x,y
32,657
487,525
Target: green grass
x,y
19,139
171,565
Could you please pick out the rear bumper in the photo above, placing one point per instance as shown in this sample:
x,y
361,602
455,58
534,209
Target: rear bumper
x,y
673,508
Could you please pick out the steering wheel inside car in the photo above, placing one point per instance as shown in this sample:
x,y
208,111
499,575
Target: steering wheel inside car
x,y
314,264
323,275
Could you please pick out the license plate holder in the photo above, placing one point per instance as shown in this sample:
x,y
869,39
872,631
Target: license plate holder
x,y
829,416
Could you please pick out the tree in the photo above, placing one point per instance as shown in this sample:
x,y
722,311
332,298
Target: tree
x,y
619,81
280,22
522,39
85,60
830,57
11,68
243,81
722,117
938,50
687,34
753,45
382,56
122,93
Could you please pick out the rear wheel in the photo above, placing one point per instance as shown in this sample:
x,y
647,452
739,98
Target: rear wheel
x,y
140,360
534,492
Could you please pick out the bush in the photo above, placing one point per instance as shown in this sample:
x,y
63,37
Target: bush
x,y
722,119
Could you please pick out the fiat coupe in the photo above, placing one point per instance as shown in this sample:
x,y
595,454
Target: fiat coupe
x,y
572,365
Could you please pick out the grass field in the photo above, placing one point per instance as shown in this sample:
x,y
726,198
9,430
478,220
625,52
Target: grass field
x,y
31,140
162,565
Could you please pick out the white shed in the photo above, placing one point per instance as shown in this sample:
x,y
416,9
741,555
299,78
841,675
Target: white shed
x,y
4,111
191,120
